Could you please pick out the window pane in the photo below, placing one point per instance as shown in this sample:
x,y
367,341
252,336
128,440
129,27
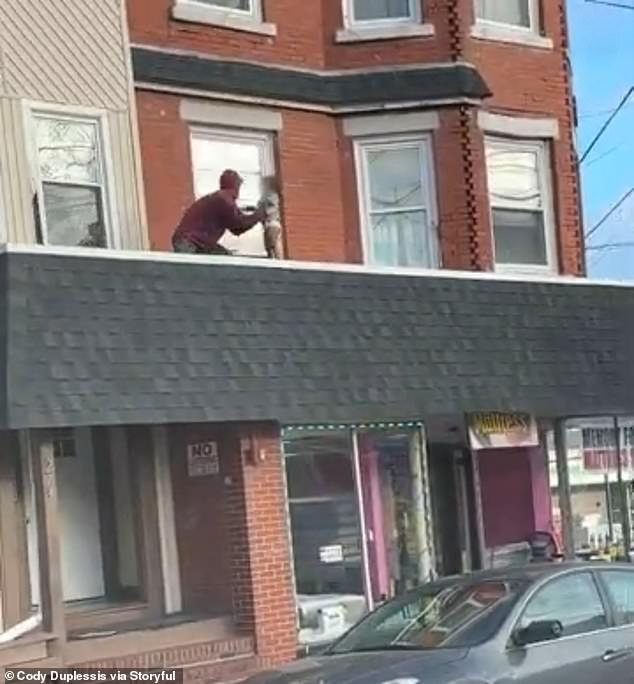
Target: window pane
x,y
244,5
574,601
514,12
621,588
68,151
402,239
369,10
519,237
513,175
74,216
210,157
326,535
395,177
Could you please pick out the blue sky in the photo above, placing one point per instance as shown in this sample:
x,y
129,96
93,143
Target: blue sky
x,y
602,40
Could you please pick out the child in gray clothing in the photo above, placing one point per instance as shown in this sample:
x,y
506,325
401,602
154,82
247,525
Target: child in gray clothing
x,y
270,204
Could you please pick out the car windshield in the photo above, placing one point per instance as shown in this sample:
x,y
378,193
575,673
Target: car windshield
x,y
458,615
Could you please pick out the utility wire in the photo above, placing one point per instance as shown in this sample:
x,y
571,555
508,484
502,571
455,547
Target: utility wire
x,y
609,213
609,245
611,3
605,126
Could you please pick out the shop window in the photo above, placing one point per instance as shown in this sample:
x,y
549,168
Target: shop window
x,y
213,151
521,204
98,517
360,523
397,208
71,202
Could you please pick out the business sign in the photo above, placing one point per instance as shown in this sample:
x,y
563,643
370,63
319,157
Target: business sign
x,y
202,459
599,448
502,430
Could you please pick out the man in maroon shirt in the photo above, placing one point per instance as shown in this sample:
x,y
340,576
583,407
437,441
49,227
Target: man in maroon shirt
x,y
209,217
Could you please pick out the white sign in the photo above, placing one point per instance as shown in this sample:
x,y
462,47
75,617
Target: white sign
x,y
202,459
331,554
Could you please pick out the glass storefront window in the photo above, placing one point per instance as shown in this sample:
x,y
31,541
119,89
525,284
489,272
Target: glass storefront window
x,y
359,516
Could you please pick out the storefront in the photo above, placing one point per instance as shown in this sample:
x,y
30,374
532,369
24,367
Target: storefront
x,y
360,519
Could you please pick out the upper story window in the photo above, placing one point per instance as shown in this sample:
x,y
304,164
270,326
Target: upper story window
x,y
70,202
366,12
246,6
517,13
397,207
520,195
513,21
251,155
238,15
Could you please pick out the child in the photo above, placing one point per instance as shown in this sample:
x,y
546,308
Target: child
x,y
270,204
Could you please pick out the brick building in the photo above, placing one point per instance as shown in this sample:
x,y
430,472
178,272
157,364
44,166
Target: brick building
x,y
172,432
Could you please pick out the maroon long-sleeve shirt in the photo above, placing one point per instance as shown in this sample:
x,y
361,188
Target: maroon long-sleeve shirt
x,y
206,221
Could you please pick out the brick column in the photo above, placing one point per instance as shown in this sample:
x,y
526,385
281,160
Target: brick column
x,y
263,593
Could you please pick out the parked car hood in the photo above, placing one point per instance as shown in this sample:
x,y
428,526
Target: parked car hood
x,y
376,667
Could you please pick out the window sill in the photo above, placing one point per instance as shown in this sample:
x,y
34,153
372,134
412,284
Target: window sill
x,y
528,271
196,13
392,32
509,34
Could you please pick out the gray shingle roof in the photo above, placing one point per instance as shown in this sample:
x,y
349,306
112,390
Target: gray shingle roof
x,y
104,341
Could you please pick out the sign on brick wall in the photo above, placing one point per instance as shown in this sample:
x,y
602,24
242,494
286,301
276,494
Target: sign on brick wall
x,y
202,459
502,430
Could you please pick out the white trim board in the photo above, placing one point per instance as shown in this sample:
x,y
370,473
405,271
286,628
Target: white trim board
x,y
390,124
518,126
235,116
256,262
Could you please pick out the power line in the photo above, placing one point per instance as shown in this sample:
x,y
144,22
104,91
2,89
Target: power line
x,y
611,3
605,126
609,213
609,245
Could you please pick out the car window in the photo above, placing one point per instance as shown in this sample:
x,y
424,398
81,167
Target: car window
x,y
573,600
620,585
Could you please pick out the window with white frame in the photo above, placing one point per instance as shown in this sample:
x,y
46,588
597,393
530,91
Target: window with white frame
x,y
251,155
70,203
521,203
248,7
522,14
371,12
397,207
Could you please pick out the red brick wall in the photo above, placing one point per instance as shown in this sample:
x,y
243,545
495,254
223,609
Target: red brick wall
x,y
264,599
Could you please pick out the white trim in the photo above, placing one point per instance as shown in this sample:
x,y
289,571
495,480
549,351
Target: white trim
x,y
423,141
517,126
289,265
224,17
30,111
541,148
389,124
166,521
508,34
223,114
349,20
361,34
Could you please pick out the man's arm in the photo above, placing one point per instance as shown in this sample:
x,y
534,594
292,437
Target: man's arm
x,y
237,222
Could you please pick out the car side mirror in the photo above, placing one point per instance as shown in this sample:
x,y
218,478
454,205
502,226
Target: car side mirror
x,y
538,631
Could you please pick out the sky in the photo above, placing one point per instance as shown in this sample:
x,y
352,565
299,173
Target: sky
x,y
602,42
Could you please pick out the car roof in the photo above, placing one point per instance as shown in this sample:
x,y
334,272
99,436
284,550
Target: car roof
x,y
529,573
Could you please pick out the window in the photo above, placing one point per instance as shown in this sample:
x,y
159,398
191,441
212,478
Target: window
x,y
366,12
620,586
251,156
396,202
70,205
231,5
519,192
523,14
572,600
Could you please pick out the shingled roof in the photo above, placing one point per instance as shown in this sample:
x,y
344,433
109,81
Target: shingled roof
x,y
122,339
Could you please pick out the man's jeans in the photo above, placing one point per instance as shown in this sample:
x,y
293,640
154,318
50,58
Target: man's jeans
x,y
186,247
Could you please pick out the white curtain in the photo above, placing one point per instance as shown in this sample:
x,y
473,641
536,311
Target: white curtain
x,y
514,12
403,239
367,10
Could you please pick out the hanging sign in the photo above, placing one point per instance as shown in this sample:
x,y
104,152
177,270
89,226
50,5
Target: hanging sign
x,y
502,430
331,554
202,459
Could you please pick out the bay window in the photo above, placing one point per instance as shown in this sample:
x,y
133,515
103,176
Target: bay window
x,y
521,204
251,155
397,207
516,13
366,12
70,204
